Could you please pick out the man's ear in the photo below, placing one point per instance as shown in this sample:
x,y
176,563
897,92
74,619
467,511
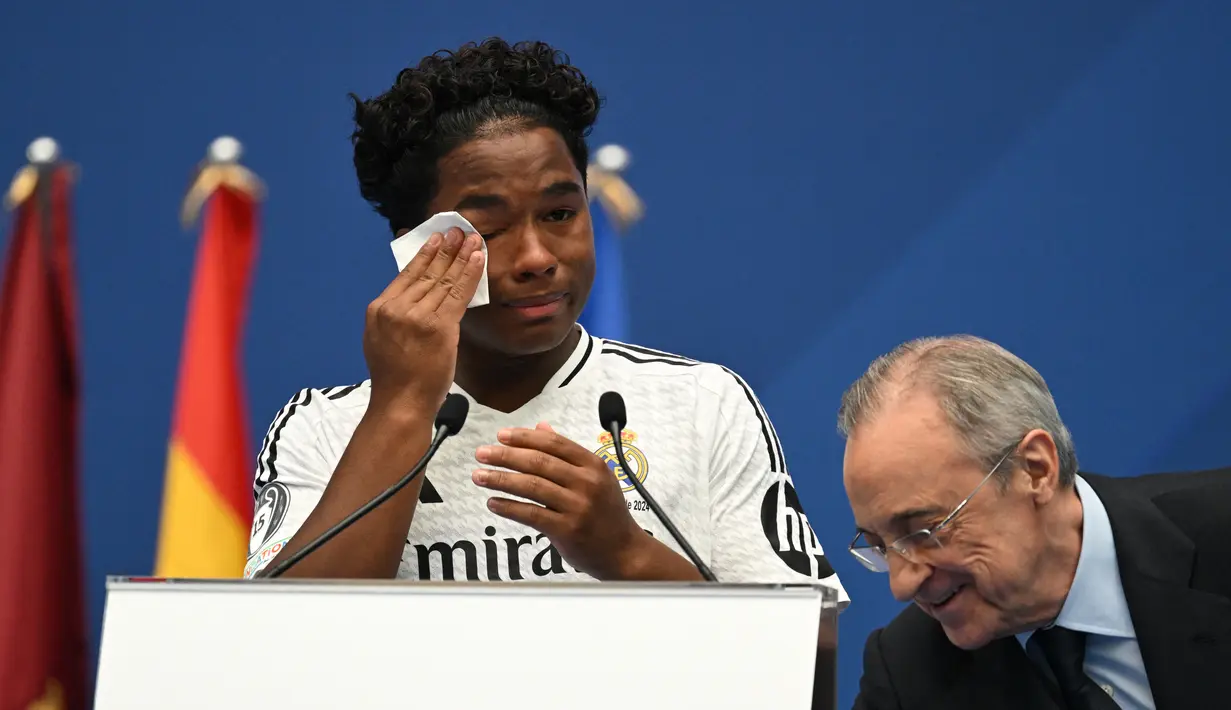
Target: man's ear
x,y
401,232
1041,462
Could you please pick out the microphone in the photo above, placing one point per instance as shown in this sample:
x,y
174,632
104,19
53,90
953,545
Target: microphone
x,y
612,417
449,421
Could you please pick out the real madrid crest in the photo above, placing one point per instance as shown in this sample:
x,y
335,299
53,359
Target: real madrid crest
x,y
635,457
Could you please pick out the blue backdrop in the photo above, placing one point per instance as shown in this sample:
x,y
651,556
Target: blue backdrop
x,y
822,180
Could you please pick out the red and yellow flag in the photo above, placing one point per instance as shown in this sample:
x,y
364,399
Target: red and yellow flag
x,y
207,499
42,609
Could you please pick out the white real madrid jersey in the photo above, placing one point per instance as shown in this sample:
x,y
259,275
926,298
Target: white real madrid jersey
x,y
697,437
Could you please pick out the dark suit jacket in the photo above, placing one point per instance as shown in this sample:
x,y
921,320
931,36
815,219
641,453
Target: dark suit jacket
x,y
1173,541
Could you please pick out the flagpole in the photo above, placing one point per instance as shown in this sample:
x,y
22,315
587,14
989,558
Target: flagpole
x,y
44,154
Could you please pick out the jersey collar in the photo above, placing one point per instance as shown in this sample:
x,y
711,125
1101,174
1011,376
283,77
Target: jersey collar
x,y
577,361
583,354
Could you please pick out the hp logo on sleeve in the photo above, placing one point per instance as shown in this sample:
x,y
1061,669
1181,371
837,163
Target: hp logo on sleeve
x,y
789,533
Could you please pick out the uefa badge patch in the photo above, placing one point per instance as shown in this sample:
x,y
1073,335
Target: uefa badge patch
x,y
635,457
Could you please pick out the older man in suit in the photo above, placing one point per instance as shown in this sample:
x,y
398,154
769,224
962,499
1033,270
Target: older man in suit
x,y
1034,585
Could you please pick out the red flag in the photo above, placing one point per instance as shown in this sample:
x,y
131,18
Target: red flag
x,y
42,614
207,499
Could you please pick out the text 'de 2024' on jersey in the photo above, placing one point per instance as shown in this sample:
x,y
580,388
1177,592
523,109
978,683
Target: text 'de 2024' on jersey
x,y
697,437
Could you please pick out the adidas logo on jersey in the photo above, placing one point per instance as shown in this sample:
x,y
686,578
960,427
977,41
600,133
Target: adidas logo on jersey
x,y
492,559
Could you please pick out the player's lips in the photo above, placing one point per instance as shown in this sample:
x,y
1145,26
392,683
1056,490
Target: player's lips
x,y
540,306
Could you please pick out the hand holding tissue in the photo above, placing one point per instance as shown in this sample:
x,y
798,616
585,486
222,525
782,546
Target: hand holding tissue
x,y
406,246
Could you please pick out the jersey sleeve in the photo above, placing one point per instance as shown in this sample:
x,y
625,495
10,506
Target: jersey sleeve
x,y
761,532
292,469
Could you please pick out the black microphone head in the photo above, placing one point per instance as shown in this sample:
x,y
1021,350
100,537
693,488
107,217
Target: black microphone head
x,y
611,409
452,414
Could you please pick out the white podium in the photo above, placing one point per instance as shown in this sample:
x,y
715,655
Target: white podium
x,y
271,644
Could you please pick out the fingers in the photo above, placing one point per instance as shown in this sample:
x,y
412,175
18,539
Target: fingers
x,y
528,514
457,298
445,256
543,438
450,287
527,486
529,461
413,269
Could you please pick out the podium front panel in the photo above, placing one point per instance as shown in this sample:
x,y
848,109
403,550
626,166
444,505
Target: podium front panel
x,y
304,644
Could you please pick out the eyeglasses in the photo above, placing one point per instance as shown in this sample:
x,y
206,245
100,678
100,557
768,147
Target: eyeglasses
x,y
875,558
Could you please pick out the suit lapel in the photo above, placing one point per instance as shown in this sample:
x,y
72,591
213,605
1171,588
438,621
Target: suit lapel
x,y
1183,632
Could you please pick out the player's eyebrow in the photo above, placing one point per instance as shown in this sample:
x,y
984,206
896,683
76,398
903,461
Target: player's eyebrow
x,y
479,202
483,201
562,188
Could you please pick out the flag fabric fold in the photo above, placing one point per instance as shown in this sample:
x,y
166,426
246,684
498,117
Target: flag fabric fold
x,y
42,606
614,208
207,497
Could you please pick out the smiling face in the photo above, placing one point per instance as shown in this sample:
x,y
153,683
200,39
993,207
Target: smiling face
x,y
522,191
995,572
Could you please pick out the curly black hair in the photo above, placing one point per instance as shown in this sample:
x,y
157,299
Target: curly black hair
x,y
452,97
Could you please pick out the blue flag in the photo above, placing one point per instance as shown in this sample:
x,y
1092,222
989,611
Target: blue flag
x,y
606,313
613,207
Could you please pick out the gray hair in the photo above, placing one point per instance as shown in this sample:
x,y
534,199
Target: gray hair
x,y
989,396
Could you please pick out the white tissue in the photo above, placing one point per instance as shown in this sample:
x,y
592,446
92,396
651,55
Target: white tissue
x,y
406,246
